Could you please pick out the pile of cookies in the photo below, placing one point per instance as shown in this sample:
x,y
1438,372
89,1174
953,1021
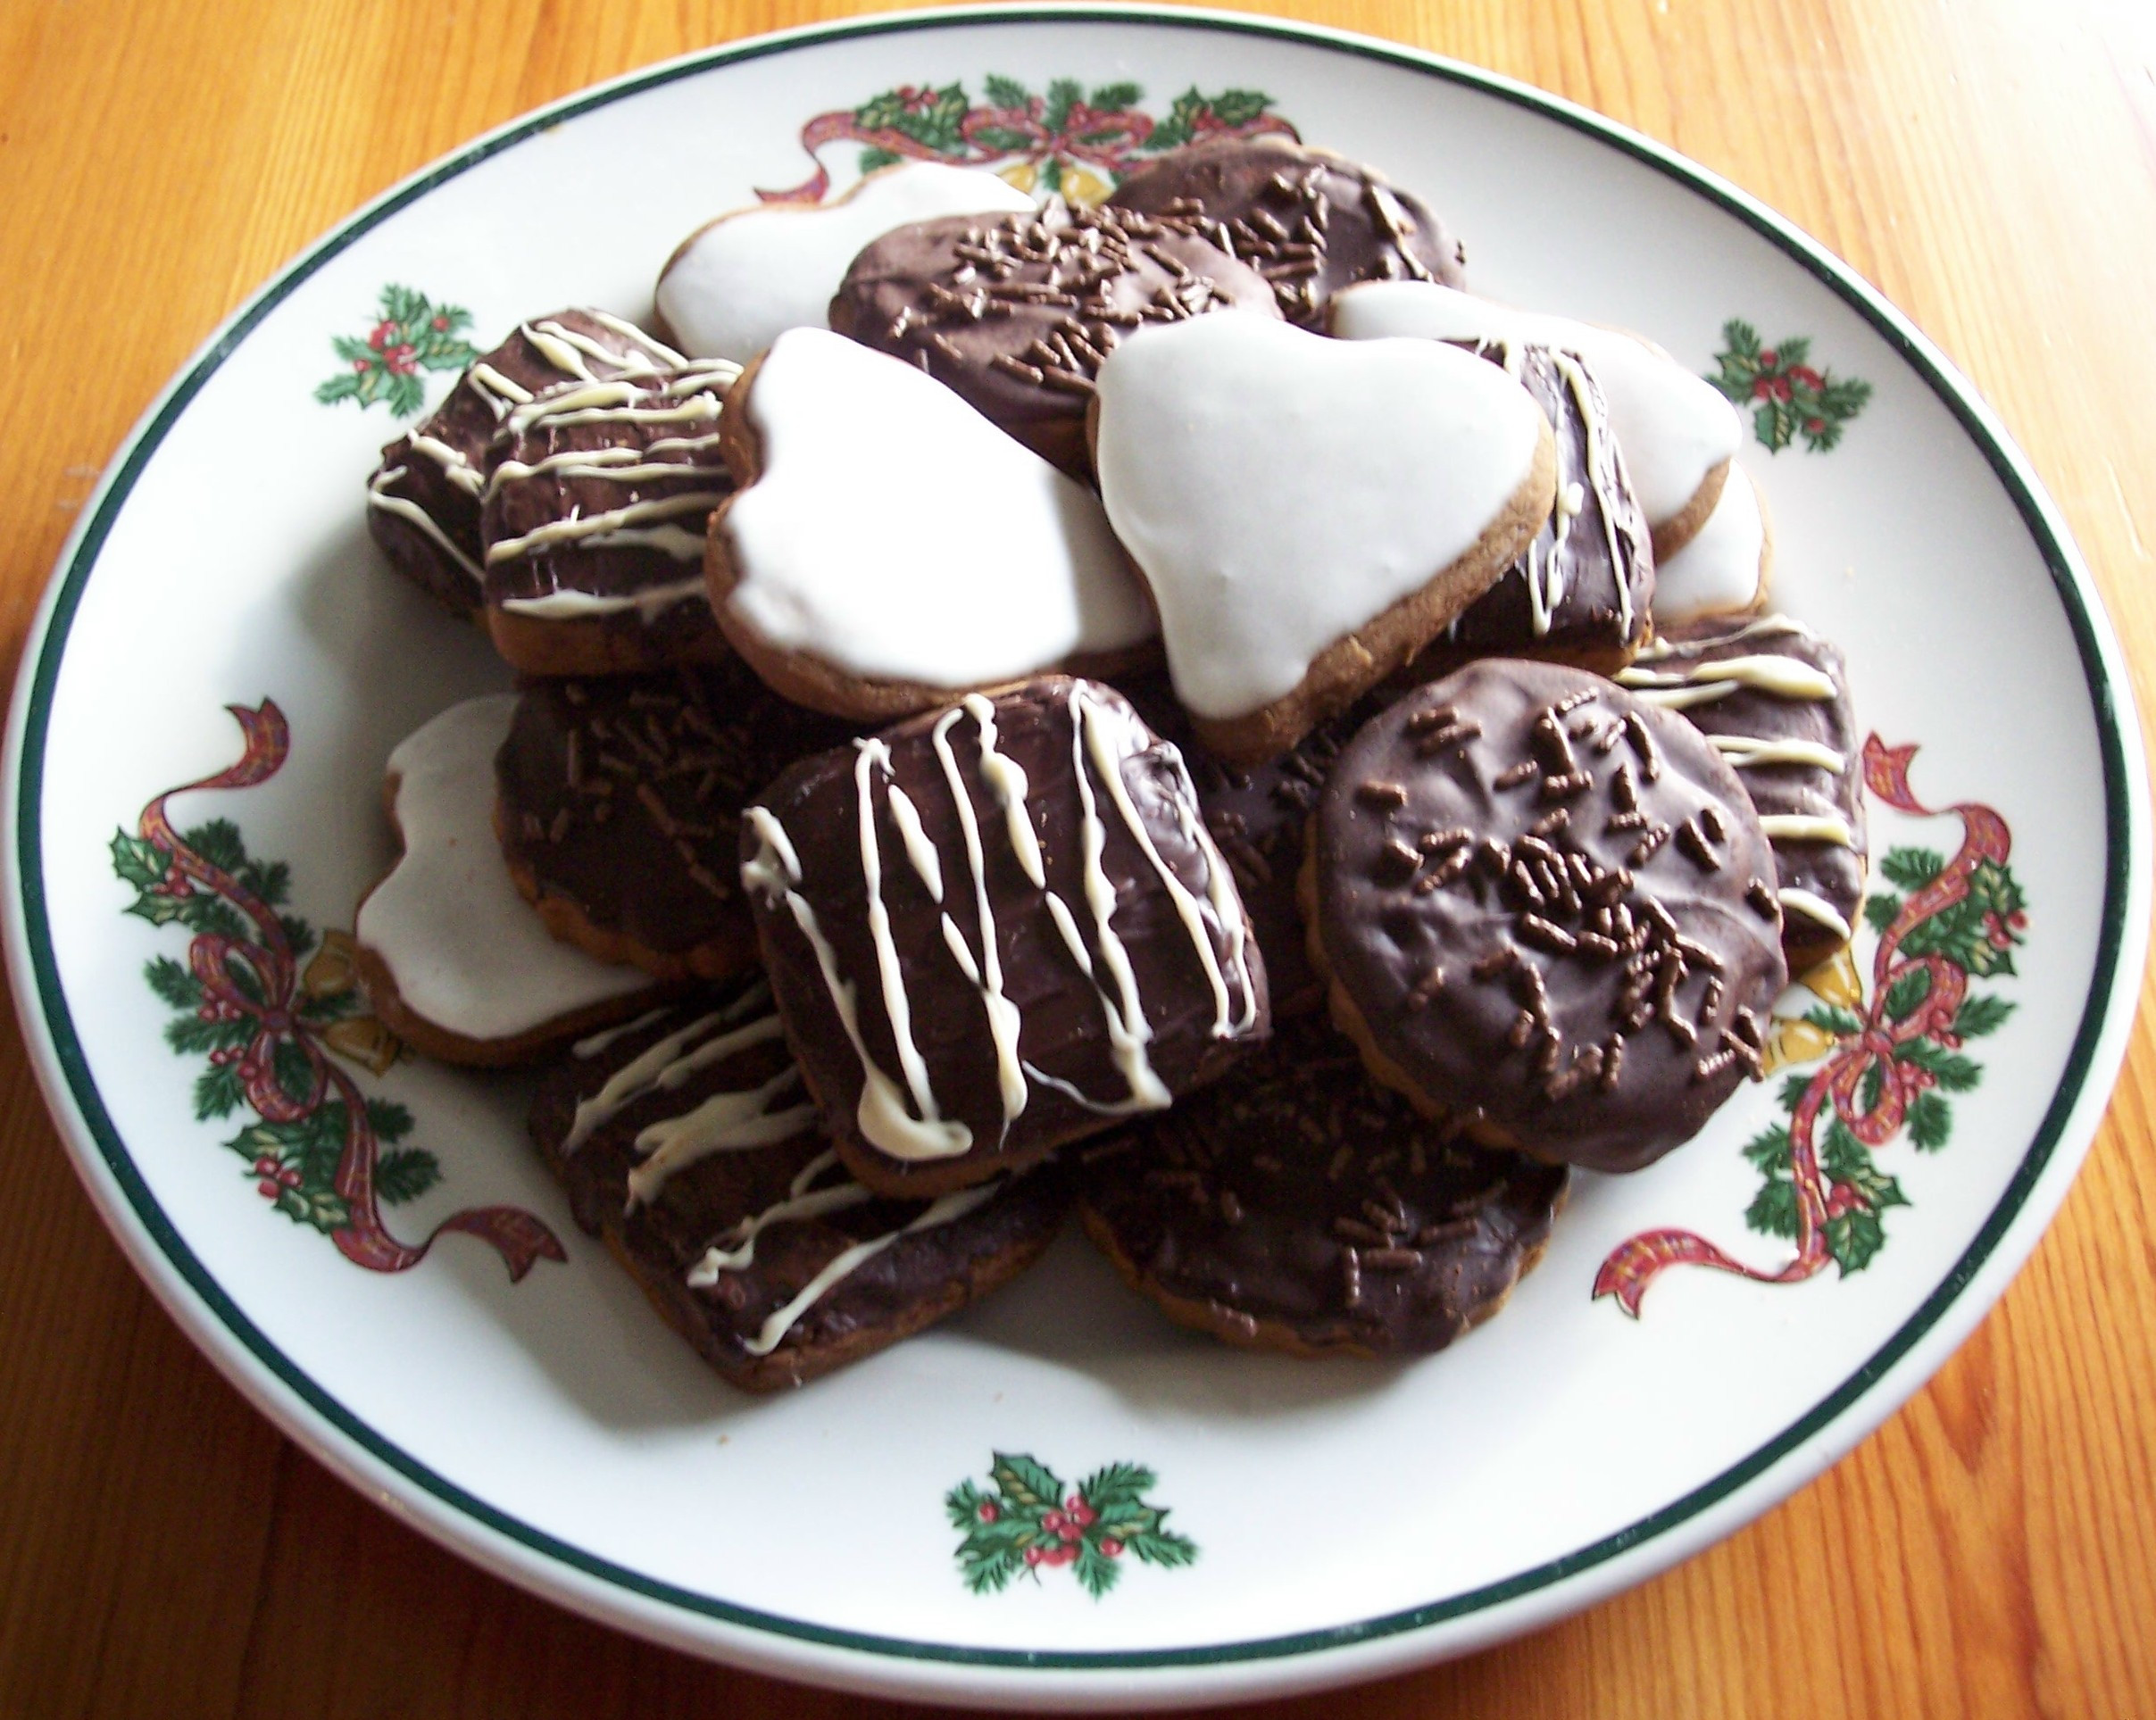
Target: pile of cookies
x,y
1175,707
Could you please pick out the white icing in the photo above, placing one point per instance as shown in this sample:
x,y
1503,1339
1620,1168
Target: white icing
x,y
1719,572
738,284
464,949
1673,428
1280,489
1817,907
927,864
897,533
1006,780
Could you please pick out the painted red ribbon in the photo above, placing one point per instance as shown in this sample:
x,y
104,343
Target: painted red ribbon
x,y
257,978
1871,1051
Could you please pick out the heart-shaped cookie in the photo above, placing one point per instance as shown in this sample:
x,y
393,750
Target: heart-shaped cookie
x,y
1309,513
889,548
736,284
1677,433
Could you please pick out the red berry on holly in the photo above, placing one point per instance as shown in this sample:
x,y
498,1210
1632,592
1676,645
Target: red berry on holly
x,y
1079,1512
441,325
1780,386
1060,1555
1806,374
267,1189
987,1512
265,1166
1815,425
1768,358
1109,1546
1053,1521
1761,387
1035,1555
361,365
384,333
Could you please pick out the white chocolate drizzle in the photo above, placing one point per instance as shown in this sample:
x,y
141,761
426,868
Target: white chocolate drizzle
x,y
1748,752
411,513
897,1003
1801,827
885,1122
1817,908
1704,682
1002,1015
577,606
663,1063
804,1200
726,1122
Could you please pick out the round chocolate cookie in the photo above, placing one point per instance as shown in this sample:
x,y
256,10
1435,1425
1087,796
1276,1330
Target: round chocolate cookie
x,y
1309,221
423,499
1016,314
1551,906
593,518
686,1143
1581,593
619,809
1297,1205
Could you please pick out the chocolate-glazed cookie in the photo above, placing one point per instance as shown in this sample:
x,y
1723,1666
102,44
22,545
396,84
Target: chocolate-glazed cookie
x,y
1773,698
687,1144
1309,221
423,499
1297,1205
1016,313
1581,593
1547,905
619,809
593,518
995,928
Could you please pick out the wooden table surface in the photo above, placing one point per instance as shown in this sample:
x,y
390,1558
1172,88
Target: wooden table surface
x,y
1991,164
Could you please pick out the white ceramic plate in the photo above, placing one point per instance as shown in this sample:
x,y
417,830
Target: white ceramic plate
x,y
1347,1520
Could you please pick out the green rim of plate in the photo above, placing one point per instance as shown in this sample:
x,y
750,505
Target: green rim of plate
x,y
2104,697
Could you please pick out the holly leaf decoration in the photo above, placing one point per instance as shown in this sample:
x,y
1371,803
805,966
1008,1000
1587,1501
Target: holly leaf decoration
x,y
1113,98
1024,1481
932,117
1931,1121
138,861
1980,1014
405,1174
1911,868
1881,909
1030,1524
1907,993
1005,92
1788,397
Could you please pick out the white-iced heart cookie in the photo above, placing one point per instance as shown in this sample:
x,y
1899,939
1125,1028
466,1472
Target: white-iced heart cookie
x,y
1723,572
889,548
1676,432
736,284
1309,513
454,960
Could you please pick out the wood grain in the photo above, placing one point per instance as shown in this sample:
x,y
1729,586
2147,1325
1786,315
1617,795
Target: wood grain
x,y
1991,164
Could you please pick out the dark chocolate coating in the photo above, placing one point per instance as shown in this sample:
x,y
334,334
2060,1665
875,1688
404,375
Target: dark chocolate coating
x,y
1296,1204
659,443
1599,561
1256,816
1553,905
1311,221
1833,872
621,794
1016,315
466,422
917,1280
1063,1024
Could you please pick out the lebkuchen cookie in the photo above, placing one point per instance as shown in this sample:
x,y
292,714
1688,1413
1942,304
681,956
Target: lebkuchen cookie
x,y
1309,513
1016,312
1772,698
423,499
1311,221
687,1144
1723,574
1297,1205
1549,907
1677,433
888,548
593,520
617,805
1582,594
997,928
